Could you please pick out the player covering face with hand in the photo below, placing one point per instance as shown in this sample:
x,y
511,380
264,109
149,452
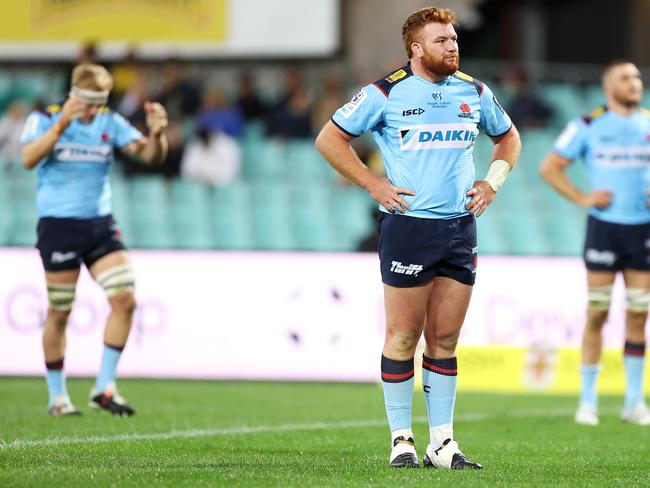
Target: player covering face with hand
x,y
425,117
71,148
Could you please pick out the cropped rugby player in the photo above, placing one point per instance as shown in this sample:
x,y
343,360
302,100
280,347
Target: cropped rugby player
x,y
71,147
614,142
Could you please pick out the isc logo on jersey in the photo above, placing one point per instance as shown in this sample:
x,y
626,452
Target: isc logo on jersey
x,y
437,136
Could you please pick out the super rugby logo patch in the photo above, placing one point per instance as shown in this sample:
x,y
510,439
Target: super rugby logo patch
x,y
351,107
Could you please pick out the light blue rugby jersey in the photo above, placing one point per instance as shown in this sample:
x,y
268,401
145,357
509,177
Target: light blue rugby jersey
x,y
426,133
616,153
73,179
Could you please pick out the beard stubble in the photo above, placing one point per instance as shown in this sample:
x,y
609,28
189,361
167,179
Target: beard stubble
x,y
440,67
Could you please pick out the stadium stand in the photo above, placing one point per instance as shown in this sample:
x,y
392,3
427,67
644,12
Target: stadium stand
x,y
287,198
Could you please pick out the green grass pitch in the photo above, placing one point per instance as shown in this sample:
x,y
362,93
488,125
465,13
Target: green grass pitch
x,y
200,433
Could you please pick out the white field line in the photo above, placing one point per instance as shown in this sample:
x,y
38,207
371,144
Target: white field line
x,y
257,429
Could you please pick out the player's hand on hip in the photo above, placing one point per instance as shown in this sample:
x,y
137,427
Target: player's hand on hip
x,y
389,196
482,195
597,199
156,117
73,108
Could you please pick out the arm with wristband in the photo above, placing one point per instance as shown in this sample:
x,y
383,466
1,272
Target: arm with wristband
x,y
496,123
504,158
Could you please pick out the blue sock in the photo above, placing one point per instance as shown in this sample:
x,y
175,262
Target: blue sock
x,y
55,378
589,378
397,379
634,360
108,369
439,378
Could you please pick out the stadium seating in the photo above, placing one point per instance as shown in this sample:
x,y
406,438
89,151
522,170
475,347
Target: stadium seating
x,y
304,164
5,90
264,160
289,199
567,100
312,217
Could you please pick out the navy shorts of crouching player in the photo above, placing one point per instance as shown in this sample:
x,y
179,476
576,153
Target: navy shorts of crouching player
x,y
71,147
613,141
425,117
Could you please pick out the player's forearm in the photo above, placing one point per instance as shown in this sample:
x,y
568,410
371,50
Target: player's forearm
x,y
155,149
34,151
508,147
560,182
340,155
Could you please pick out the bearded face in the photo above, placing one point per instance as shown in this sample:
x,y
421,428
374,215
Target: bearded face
x,y
440,64
623,84
437,49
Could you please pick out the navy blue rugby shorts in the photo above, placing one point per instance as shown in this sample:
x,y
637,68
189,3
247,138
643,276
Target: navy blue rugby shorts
x,y
66,243
614,247
413,251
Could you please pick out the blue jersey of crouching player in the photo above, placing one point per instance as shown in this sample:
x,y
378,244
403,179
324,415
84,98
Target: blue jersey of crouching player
x,y
73,179
616,153
426,132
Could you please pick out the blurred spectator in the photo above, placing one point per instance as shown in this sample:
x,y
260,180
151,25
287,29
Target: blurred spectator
x,y
126,74
11,126
248,100
212,158
131,103
526,108
293,81
179,95
176,149
331,100
369,155
292,120
219,116
375,162
370,243
87,54
291,115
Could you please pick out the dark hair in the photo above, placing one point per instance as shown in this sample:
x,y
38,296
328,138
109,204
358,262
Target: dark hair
x,y
613,63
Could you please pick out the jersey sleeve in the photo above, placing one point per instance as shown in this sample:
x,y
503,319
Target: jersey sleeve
x,y
125,133
570,144
362,113
36,125
494,120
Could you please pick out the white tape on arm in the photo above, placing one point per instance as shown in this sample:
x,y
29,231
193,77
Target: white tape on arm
x,y
497,174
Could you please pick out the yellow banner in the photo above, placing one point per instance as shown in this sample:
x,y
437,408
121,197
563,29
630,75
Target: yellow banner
x,y
519,370
113,20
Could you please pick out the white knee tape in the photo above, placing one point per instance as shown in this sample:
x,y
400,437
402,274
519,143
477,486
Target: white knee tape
x,y
60,296
600,298
637,299
117,279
